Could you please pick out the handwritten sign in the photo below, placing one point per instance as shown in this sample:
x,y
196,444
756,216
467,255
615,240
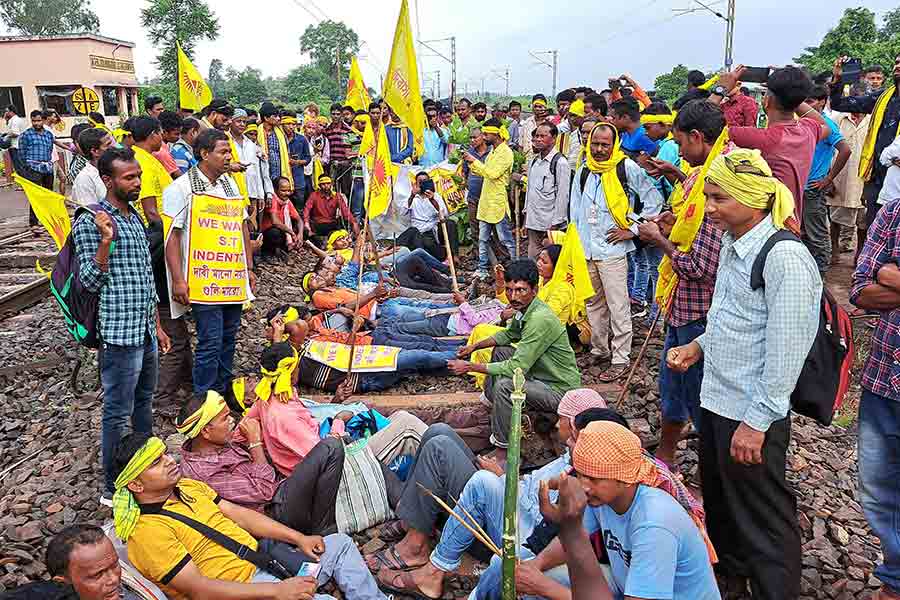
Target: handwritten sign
x,y
217,267
366,359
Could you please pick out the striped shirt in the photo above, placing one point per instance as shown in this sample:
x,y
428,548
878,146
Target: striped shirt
x,y
337,144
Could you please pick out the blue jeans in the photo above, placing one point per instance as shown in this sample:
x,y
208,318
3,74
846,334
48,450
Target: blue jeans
x,y
427,326
429,260
879,479
408,362
491,580
638,275
484,241
406,309
388,336
128,375
654,257
679,393
357,197
217,327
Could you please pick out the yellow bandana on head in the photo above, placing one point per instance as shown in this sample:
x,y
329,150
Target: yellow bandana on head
x,y
539,103
209,410
577,108
252,128
689,214
745,176
120,134
288,120
305,285
279,379
503,132
867,157
667,119
335,236
616,199
125,508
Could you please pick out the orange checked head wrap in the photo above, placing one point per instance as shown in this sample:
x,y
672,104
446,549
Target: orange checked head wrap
x,y
606,450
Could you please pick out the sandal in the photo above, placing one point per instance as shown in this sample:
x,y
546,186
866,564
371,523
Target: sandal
x,y
392,531
396,579
613,373
390,559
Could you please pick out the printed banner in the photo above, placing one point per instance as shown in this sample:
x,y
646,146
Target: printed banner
x,y
366,359
217,268
446,187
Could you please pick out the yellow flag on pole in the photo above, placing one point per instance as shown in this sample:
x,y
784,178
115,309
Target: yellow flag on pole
x,y
49,208
401,84
193,92
357,94
378,165
571,268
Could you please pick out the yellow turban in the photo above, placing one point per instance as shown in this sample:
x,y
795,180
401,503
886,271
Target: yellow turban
x,y
279,379
745,176
539,102
667,119
209,410
305,285
126,511
335,236
577,108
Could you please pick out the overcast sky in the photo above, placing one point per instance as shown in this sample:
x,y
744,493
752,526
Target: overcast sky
x,y
595,40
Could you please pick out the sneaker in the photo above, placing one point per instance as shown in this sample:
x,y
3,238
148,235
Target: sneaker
x,y
106,499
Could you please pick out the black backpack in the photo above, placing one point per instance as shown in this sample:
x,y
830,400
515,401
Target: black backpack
x,y
553,162
825,377
80,307
623,179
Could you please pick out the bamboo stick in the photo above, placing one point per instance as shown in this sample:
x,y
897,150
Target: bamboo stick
x,y
486,541
638,359
449,256
473,519
511,498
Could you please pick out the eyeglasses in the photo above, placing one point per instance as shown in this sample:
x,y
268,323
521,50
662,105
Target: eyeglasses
x,y
744,167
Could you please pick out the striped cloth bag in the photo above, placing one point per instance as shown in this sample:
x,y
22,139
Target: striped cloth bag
x,y
362,500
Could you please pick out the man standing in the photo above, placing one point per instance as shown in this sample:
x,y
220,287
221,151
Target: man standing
x,y
689,275
474,183
563,100
298,150
36,157
605,191
341,168
464,111
874,79
539,108
739,108
153,106
751,512
884,106
436,140
15,125
170,123
273,143
826,166
217,324
399,137
570,144
626,116
493,206
129,325
88,187
876,286
541,350
154,177
515,123
547,195
218,115
248,155
183,149
479,112
695,79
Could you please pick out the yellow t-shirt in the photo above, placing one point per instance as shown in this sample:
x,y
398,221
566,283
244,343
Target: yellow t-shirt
x,y
154,179
161,546
493,204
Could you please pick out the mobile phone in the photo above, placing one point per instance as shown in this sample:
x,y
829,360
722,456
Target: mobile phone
x,y
755,74
851,70
308,569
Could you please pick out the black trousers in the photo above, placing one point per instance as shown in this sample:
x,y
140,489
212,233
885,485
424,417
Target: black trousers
x,y
414,239
414,273
273,239
751,512
306,500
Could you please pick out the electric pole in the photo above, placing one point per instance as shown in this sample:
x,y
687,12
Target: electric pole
x,y
729,35
451,59
554,66
504,75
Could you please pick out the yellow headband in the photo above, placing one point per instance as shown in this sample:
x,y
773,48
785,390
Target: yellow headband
x,y
745,176
539,103
324,179
305,285
125,508
280,379
667,119
251,128
288,120
501,131
290,315
335,235
209,410
577,108
121,134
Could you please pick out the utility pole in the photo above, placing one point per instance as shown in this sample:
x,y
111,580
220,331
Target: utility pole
x,y
451,59
504,75
554,66
729,35
437,96
483,93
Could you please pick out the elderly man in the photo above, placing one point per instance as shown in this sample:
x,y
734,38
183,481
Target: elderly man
x,y
547,195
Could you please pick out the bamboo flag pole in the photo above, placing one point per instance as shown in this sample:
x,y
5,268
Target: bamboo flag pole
x,y
515,192
511,499
449,256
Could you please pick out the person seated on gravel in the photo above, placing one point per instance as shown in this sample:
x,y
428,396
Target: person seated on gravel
x,y
542,352
241,473
655,548
151,495
483,497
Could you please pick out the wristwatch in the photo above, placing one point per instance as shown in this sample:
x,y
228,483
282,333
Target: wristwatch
x,y
719,90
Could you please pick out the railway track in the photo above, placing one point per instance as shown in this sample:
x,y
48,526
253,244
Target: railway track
x,y
21,286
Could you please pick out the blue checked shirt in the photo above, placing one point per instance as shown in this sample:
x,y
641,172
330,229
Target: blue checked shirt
x,y
36,149
756,341
127,293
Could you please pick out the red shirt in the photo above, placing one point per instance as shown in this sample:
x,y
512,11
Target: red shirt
x,y
164,155
325,209
788,148
740,111
278,207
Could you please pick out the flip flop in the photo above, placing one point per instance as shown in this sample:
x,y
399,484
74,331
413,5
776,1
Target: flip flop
x,y
612,373
405,579
389,559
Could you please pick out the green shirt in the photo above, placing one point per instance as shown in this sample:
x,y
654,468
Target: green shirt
x,y
543,351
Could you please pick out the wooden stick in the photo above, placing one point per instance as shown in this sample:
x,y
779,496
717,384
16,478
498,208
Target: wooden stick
x,y
515,192
449,256
486,541
639,357
471,518
360,242
375,250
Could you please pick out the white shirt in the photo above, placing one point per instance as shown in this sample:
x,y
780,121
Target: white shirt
x,y
17,125
88,188
248,153
177,205
891,188
423,216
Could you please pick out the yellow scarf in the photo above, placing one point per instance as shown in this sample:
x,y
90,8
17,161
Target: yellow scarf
x,y
616,199
689,212
209,410
279,379
282,151
318,171
239,177
745,176
126,511
867,158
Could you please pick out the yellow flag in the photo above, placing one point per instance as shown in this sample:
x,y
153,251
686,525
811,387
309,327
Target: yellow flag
x,y
357,94
50,209
572,266
401,84
193,93
378,164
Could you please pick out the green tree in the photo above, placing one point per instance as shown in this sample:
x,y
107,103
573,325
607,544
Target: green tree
x,y
245,86
155,87
673,84
855,35
308,83
169,21
216,79
326,43
49,17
